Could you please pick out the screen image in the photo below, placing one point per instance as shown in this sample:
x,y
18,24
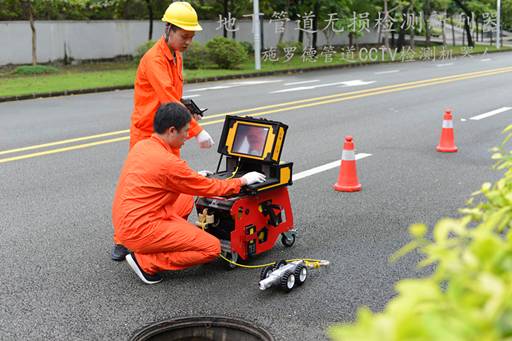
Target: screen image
x,y
250,140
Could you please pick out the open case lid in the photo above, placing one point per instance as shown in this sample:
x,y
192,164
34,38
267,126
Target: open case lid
x,y
252,138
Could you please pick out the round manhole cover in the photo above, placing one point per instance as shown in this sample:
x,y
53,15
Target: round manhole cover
x,y
202,329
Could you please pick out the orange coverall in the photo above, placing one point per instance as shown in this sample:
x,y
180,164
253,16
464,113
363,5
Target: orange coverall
x,y
159,80
152,202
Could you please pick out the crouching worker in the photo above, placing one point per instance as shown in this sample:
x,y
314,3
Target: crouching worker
x,y
154,197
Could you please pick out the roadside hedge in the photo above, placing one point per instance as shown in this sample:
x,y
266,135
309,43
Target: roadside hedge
x,y
226,53
469,294
196,56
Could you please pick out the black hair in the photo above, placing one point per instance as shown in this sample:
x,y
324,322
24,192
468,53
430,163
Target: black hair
x,y
170,115
170,27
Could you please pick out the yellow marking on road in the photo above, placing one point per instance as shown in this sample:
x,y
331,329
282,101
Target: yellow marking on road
x,y
344,94
56,143
65,149
310,102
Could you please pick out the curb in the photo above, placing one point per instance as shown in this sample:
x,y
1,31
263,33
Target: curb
x,y
200,80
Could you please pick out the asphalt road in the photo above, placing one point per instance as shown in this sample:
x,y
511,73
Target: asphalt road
x,y
58,281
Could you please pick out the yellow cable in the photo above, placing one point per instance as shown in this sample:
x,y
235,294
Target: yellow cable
x,y
247,266
236,169
316,262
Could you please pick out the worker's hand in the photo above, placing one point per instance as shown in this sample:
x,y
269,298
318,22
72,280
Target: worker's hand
x,y
205,172
204,139
197,117
253,178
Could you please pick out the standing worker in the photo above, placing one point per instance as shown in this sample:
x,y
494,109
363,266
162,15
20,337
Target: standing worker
x,y
154,197
160,80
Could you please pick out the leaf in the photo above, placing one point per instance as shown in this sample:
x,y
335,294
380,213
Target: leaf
x,y
404,250
418,230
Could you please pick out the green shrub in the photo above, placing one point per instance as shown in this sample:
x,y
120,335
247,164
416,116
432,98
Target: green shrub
x,y
282,45
226,53
142,49
469,294
196,56
28,70
248,47
436,32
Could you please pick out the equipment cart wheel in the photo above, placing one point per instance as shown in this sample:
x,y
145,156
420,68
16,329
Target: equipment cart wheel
x,y
301,273
288,281
265,272
288,238
233,257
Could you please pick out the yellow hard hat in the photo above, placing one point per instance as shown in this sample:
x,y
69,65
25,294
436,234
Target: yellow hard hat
x,y
183,15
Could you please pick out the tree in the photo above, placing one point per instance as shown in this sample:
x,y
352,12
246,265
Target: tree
x,y
29,10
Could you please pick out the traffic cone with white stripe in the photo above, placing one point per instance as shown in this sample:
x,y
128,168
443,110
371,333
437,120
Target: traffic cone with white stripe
x,y
447,143
347,179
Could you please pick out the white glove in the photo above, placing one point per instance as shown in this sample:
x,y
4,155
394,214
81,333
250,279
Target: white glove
x,y
253,178
204,139
205,172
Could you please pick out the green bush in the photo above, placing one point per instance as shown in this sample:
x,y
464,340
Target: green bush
x,y
248,47
469,294
196,56
226,53
28,70
142,49
282,45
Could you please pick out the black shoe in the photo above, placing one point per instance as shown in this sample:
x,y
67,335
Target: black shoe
x,y
119,252
145,277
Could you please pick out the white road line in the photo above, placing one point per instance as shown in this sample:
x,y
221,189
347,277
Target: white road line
x,y
489,114
386,72
218,87
303,82
257,82
234,84
325,167
486,59
356,82
191,96
446,64
463,120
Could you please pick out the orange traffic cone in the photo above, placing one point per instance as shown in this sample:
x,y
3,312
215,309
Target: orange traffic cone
x,y
347,179
447,143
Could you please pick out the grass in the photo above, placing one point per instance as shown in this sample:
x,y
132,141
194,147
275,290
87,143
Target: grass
x,y
115,74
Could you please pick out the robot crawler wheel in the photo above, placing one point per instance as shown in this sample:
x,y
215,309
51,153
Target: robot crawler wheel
x,y
301,273
265,272
288,281
280,264
288,240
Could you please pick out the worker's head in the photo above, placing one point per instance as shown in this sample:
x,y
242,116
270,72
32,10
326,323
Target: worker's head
x,y
172,121
181,25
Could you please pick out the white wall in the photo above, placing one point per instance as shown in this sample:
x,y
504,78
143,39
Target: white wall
x,y
110,38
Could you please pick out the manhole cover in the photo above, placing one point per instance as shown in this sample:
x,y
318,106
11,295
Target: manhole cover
x,y
202,329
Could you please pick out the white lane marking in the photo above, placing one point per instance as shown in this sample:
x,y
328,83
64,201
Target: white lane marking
x,y
234,84
257,82
446,64
489,114
486,59
325,167
218,87
356,82
386,72
302,82
191,96
463,120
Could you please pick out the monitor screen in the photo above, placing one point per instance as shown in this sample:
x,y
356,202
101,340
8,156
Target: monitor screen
x,y
250,140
